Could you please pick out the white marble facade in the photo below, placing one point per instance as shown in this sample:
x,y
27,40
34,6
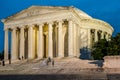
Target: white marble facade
x,y
48,31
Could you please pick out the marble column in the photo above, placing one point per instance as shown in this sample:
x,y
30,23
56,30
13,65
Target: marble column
x,y
102,35
60,40
107,37
14,45
30,42
56,39
96,35
17,42
50,41
40,42
89,38
75,40
70,38
22,42
78,40
6,48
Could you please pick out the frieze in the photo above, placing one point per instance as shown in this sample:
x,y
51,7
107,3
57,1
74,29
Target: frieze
x,y
99,22
36,20
38,12
33,12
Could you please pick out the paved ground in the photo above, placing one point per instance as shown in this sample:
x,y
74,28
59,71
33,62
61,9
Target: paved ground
x,y
64,69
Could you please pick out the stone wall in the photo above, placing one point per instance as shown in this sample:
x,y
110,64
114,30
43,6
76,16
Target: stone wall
x,y
111,62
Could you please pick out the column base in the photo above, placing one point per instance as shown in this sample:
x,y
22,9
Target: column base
x,y
39,58
71,56
60,57
13,61
31,57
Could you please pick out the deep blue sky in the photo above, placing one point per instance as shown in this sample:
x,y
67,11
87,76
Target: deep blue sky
x,y
107,10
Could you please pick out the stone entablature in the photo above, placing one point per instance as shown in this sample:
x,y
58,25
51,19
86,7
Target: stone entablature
x,y
97,24
37,20
111,62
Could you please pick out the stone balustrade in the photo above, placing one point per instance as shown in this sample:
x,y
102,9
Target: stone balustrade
x,y
111,62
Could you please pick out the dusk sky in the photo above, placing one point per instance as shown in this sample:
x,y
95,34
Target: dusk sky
x,y
106,10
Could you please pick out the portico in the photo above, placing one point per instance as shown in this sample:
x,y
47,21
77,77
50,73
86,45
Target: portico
x,y
40,40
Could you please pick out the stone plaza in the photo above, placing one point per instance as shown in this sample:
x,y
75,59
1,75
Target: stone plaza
x,y
64,69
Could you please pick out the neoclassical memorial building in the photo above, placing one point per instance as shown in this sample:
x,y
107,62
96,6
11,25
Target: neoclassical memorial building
x,y
50,31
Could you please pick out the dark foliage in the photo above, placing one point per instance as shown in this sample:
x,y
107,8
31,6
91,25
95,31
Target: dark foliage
x,y
1,55
103,47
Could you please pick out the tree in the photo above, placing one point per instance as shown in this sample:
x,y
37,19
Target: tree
x,y
99,49
1,55
103,47
115,45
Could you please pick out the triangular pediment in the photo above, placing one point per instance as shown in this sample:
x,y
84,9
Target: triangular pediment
x,y
37,10
42,10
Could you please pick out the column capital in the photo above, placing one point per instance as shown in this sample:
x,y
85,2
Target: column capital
x,y
51,22
60,21
69,19
40,24
105,33
22,26
32,25
14,28
75,24
92,30
6,29
96,29
99,31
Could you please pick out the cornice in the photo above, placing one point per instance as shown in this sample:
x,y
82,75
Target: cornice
x,y
97,22
39,19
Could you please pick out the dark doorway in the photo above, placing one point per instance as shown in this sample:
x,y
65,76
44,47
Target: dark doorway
x,y
44,56
26,44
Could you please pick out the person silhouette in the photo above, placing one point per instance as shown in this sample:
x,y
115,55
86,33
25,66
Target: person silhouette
x,y
52,62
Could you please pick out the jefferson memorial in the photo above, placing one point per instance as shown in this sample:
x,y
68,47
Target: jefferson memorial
x,y
52,31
